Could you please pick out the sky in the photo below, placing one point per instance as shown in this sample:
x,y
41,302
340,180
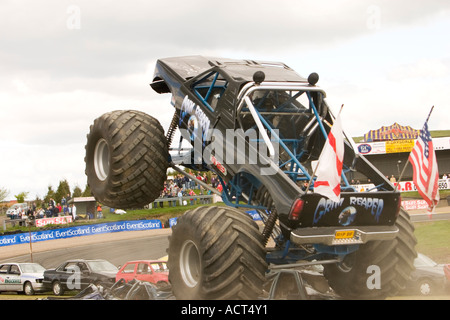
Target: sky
x,y
65,63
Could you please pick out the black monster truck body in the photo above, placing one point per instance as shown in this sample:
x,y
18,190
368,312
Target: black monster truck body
x,y
261,128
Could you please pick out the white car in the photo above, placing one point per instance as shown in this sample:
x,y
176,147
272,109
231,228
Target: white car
x,y
22,277
15,209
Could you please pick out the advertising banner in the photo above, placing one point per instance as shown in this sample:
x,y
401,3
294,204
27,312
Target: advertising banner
x,y
397,146
414,204
403,186
86,230
56,220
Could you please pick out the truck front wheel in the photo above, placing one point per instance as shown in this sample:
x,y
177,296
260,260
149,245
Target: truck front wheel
x,y
126,159
216,253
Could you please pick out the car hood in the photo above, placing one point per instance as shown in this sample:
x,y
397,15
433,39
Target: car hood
x,y
436,270
49,271
108,274
34,275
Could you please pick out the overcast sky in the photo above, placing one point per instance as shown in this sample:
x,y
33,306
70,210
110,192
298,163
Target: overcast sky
x,y
64,63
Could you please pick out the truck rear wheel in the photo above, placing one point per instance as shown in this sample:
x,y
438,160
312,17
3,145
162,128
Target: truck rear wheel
x,y
378,269
126,159
216,253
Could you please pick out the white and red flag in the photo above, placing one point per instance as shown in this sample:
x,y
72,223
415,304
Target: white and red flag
x,y
425,169
329,166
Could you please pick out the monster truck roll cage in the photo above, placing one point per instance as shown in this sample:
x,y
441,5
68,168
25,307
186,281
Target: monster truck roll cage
x,y
291,116
241,190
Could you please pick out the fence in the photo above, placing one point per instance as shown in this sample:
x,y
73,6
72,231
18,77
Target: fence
x,y
180,201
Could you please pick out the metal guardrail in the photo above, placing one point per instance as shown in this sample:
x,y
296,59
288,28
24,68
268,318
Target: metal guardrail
x,y
208,197
13,222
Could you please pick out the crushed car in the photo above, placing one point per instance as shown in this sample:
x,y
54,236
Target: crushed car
x,y
122,290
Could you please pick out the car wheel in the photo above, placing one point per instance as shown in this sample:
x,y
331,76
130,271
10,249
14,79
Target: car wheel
x,y
57,288
425,287
28,289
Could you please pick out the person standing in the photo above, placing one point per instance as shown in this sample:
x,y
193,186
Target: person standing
x,y
74,212
52,208
99,211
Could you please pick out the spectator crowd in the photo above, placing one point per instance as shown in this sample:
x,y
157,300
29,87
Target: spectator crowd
x,y
47,210
182,186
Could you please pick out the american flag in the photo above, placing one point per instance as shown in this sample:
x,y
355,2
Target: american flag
x,y
426,174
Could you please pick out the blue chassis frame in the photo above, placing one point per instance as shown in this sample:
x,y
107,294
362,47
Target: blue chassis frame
x,y
236,187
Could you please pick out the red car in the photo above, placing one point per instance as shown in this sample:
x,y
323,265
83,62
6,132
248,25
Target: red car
x,y
447,271
154,271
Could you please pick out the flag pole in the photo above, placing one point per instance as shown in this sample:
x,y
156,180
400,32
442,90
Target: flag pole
x,y
434,205
406,164
401,175
318,161
429,114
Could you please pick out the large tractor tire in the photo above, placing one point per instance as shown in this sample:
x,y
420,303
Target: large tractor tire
x,y
378,269
126,159
216,253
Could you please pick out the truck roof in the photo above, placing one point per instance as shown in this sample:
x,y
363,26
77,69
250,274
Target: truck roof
x,y
188,67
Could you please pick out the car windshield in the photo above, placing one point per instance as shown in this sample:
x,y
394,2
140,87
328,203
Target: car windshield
x,y
102,265
32,268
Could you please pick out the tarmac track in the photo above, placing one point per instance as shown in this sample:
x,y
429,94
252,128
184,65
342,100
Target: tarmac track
x,y
117,248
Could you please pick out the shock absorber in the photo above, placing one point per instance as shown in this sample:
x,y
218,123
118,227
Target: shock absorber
x,y
172,128
268,227
265,199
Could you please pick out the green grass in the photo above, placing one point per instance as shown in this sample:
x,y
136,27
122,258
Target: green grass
x,y
433,240
443,194
162,214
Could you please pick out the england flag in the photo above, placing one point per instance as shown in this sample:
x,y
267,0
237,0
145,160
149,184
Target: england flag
x,y
329,166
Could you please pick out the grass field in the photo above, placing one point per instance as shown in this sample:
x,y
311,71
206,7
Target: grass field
x,y
433,240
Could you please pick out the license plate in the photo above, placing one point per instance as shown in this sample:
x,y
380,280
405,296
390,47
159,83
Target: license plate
x,y
346,234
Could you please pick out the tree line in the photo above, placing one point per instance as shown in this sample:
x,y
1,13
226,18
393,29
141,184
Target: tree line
x,y
61,192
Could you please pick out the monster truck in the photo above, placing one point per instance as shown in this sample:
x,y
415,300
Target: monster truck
x,y
260,127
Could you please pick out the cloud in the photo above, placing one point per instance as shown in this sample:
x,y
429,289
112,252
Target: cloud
x,y
64,63
119,39
423,68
